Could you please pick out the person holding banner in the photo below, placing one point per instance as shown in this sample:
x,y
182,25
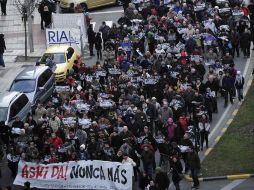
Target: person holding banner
x,y
128,160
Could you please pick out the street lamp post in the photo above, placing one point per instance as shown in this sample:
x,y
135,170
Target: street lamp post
x,y
24,16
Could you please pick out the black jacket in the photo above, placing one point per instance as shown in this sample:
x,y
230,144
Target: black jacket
x,y
90,35
98,42
2,43
162,180
245,39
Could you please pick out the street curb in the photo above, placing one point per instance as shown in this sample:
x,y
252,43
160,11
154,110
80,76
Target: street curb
x,y
229,177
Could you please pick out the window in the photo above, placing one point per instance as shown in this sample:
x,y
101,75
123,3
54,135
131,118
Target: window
x,y
25,86
57,58
18,105
3,113
44,78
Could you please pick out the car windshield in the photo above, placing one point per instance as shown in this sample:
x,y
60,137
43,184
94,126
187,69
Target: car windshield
x,y
25,86
3,113
57,58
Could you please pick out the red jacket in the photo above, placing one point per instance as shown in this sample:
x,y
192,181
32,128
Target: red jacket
x,y
56,142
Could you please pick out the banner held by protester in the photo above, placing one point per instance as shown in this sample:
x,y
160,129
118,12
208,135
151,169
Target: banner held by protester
x,y
76,175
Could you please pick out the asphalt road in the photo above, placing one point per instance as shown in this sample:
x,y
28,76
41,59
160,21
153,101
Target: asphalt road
x,y
111,14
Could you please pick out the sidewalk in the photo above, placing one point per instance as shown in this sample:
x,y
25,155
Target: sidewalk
x,y
13,29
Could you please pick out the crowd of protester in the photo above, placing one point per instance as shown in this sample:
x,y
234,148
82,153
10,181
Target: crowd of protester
x,y
164,67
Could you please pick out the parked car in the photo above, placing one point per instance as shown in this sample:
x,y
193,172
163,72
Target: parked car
x,y
13,104
36,82
69,5
63,56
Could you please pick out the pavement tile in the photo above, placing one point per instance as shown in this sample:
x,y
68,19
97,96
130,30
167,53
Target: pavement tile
x,y
13,28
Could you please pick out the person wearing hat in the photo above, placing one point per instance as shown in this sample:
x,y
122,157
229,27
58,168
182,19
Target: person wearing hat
x,y
239,83
2,49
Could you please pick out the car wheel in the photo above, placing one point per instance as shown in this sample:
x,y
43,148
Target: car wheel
x,y
119,3
84,7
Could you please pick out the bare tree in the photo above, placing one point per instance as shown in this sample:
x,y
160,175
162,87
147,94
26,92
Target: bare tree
x,y
26,8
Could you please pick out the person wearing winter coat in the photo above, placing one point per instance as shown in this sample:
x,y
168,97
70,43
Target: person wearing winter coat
x,y
54,122
148,158
161,179
194,164
46,15
176,169
239,83
245,41
235,36
104,29
171,126
204,128
91,38
227,87
144,180
2,49
165,113
55,141
98,45
3,7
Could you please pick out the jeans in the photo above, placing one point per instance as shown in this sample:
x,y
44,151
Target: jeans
x,y
99,54
235,48
91,48
246,51
240,94
148,169
1,60
229,93
204,137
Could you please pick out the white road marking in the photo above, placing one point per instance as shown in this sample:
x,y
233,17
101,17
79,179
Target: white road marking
x,y
219,122
106,12
233,184
247,64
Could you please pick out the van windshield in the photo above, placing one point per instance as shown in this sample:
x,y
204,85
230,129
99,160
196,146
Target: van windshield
x,y
25,86
3,113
